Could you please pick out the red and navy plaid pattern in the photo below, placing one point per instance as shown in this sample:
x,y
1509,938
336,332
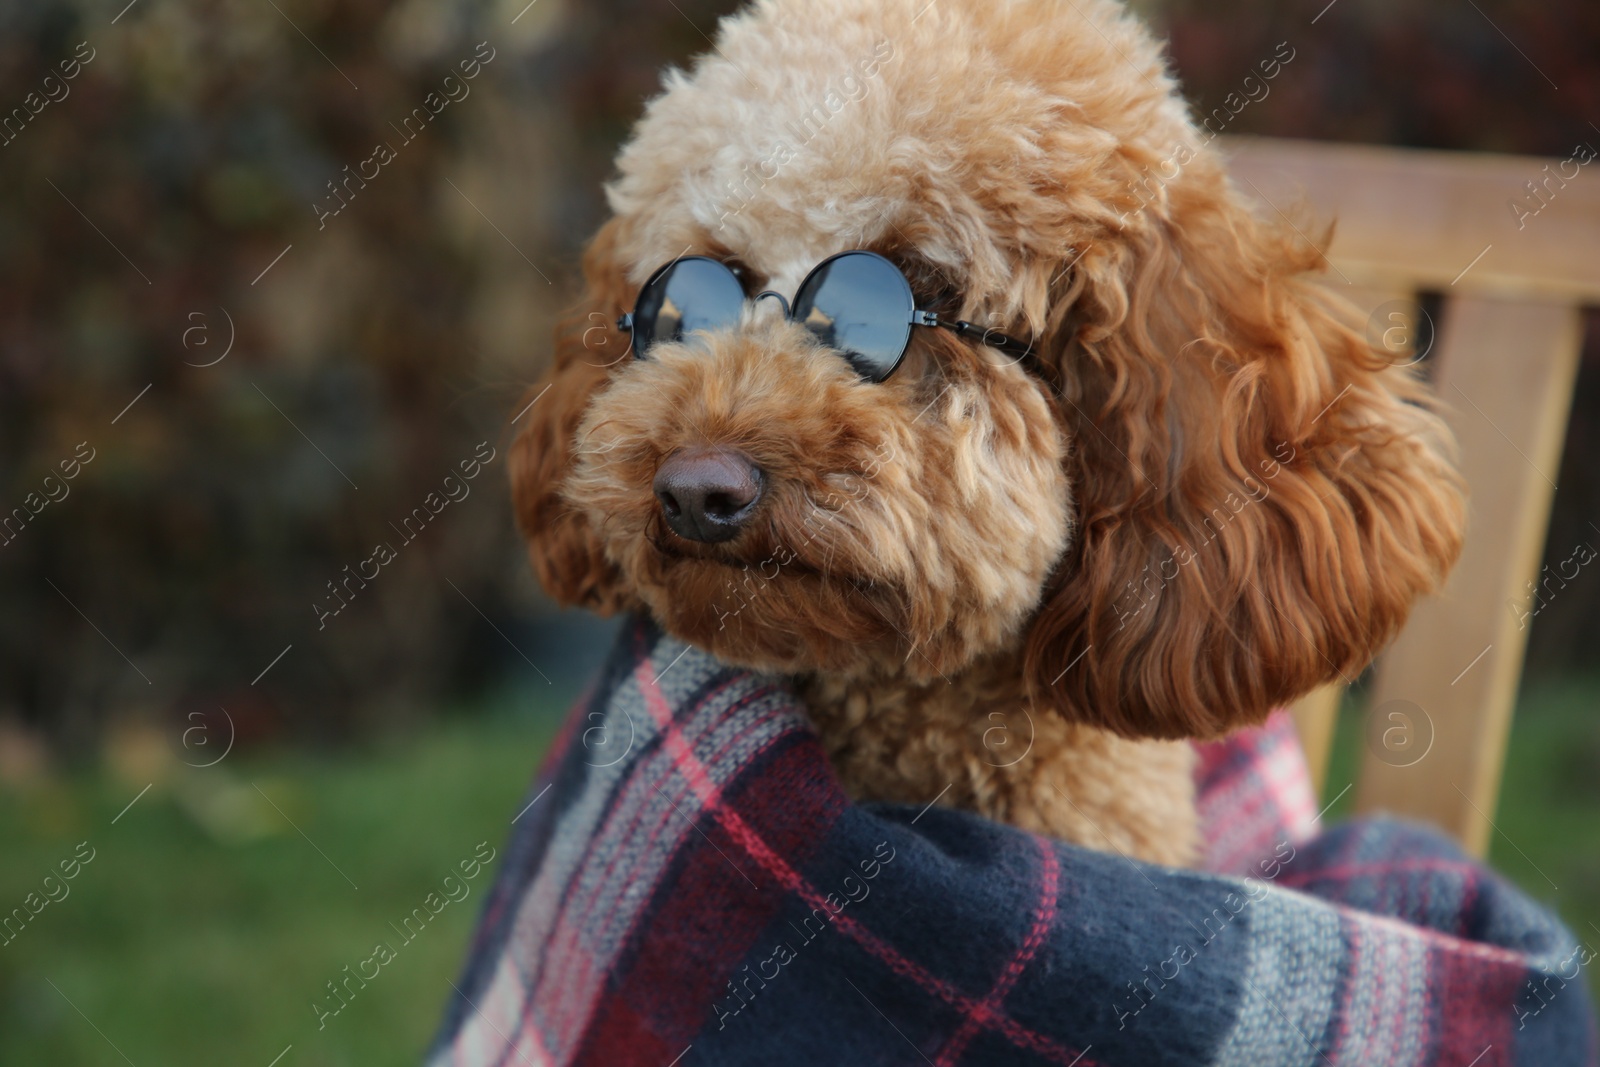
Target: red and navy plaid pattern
x,y
712,897
1254,793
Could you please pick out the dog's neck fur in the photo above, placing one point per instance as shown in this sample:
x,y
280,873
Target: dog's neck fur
x,y
972,741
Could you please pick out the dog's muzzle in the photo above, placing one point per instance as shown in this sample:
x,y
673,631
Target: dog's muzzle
x,y
708,494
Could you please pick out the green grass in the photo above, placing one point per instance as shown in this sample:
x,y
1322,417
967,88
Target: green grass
x,y
206,925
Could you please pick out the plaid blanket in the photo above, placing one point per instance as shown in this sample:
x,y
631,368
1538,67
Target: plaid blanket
x,y
687,884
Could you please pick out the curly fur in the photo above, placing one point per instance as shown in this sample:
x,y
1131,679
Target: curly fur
x,y
1214,497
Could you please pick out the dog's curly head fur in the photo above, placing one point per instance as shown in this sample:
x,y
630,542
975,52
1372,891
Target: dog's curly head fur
x,y
1211,496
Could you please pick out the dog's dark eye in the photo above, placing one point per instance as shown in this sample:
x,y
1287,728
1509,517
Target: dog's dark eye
x,y
747,277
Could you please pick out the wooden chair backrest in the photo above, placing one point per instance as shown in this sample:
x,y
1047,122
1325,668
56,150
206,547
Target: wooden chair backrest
x,y
1513,244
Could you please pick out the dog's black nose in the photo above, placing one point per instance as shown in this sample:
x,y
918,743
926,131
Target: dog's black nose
x,y
707,494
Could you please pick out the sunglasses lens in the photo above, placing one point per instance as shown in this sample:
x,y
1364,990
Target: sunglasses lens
x,y
689,294
860,304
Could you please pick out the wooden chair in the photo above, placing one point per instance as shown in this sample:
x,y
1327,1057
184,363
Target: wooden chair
x,y
1513,244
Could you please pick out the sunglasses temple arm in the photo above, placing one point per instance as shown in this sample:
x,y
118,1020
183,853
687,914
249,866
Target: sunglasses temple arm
x,y
993,338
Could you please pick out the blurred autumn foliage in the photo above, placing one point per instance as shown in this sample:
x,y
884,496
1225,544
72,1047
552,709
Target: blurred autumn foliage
x,y
161,205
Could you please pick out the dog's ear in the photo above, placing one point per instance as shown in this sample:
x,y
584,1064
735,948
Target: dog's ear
x,y
565,552
1261,495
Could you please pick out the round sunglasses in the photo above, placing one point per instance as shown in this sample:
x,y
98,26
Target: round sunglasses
x,y
856,302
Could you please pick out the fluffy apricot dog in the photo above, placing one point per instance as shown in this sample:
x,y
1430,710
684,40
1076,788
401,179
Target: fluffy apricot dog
x,y
1107,470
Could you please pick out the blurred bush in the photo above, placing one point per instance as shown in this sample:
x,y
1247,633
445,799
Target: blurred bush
x,y
1484,76
170,207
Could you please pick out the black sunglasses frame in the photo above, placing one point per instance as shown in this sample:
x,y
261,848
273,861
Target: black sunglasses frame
x,y
1019,350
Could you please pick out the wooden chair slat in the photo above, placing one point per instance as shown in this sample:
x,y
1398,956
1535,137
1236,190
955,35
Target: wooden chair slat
x,y
1438,220
1511,240
1506,371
